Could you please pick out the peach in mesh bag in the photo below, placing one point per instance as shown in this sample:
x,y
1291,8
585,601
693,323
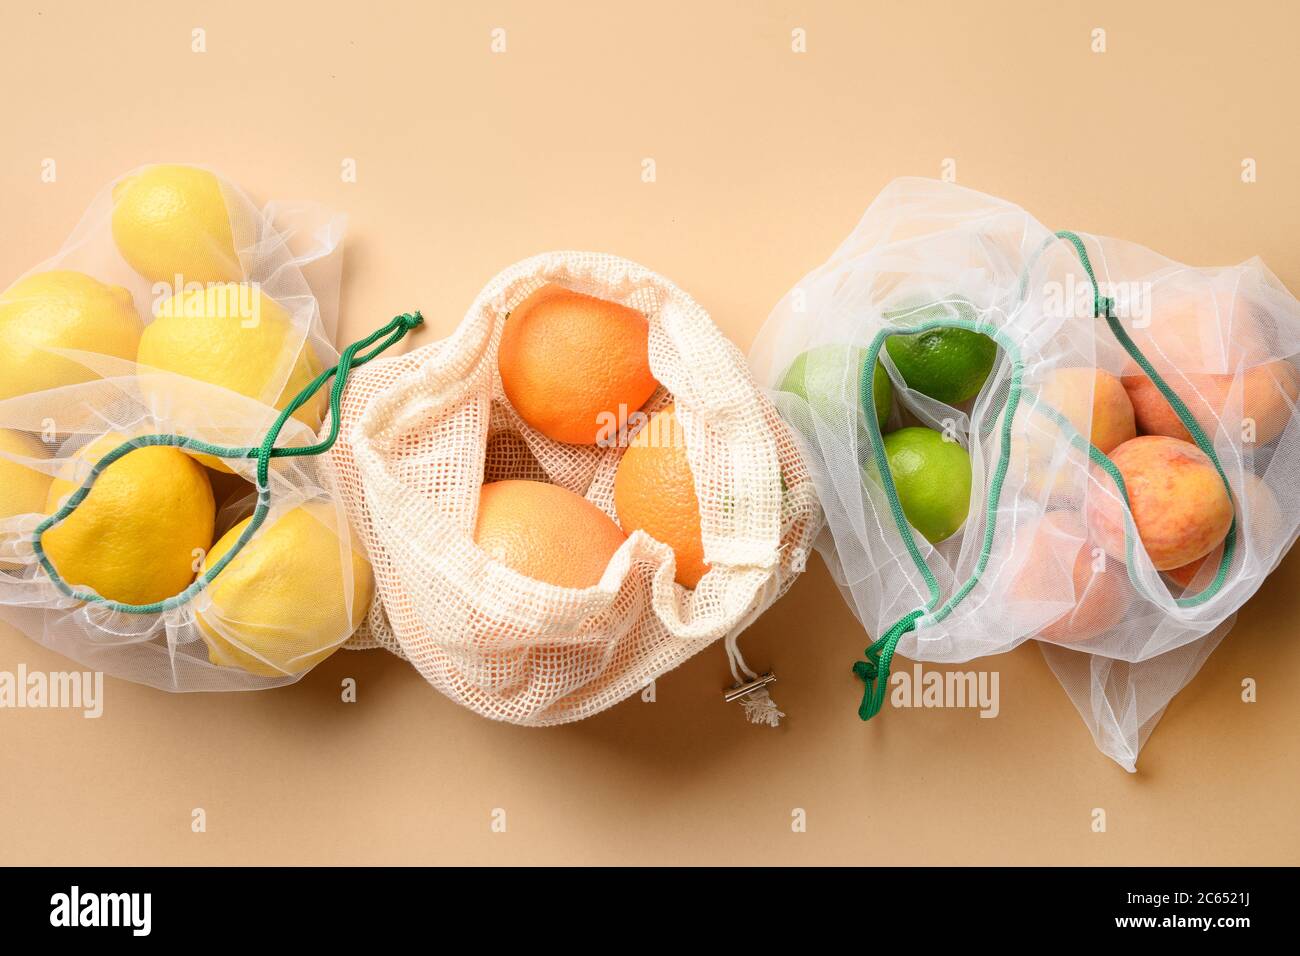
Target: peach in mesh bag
x,y
421,433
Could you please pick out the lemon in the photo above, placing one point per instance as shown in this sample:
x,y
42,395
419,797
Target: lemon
x,y
61,310
827,375
948,364
23,489
280,607
69,473
171,221
933,478
133,538
235,336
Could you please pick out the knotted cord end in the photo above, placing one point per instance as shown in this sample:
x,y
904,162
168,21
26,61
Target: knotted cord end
x,y
874,671
761,709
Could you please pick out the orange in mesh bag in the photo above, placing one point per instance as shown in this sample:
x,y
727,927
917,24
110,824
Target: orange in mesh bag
x,y
421,434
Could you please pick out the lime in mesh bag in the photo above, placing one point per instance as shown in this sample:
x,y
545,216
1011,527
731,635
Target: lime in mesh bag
x,y
1089,445
163,514
423,432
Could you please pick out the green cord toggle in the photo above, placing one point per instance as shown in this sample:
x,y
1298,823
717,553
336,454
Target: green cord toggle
x,y
353,357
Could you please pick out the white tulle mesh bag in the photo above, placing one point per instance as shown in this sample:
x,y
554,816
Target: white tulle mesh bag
x,y
422,432
162,381
1127,565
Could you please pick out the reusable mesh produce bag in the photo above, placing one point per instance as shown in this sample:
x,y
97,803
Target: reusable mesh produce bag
x,y
272,273
422,432
1049,549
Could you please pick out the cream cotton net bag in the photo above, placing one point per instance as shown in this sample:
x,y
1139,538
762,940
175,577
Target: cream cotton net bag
x,y
422,432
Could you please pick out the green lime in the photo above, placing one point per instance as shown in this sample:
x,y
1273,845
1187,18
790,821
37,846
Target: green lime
x,y
933,479
949,365
823,375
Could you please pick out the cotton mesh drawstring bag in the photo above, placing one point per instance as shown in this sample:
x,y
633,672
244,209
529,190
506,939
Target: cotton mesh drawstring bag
x,y
423,432
1050,548
172,360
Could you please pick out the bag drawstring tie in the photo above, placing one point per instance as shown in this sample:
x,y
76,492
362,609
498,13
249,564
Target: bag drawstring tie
x,y
874,671
354,356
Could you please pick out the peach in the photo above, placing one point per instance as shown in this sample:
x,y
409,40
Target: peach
x,y
1257,500
1185,574
1202,330
1180,506
1265,398
1093,401
1107,420
1060,551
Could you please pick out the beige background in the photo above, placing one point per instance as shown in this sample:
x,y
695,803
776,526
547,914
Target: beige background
x,y
469,161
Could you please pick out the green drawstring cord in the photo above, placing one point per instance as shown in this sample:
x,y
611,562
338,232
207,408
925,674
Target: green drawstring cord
x,y
1104,308
874,671
354,356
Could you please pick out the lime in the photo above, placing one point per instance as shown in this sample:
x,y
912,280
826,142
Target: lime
x,y
824,374
933,479
949,365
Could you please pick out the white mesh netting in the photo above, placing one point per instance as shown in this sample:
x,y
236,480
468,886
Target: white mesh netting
x,y
1122,638
98,400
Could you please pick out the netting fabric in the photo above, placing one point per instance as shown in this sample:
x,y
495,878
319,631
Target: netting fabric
x,y
79,382
1048,550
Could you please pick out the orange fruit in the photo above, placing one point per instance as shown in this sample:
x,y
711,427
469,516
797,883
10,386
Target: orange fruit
x,y
654,492
546,532
574,366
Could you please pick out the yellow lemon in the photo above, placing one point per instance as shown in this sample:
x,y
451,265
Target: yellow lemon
x,y
68,473
171,221
279,607
134,537
61,310
23,489
235,336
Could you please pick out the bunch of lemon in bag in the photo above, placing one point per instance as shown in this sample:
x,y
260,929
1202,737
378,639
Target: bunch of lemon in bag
x,y
146,530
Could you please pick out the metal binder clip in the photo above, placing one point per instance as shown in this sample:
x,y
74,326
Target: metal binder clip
x,y
738,691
